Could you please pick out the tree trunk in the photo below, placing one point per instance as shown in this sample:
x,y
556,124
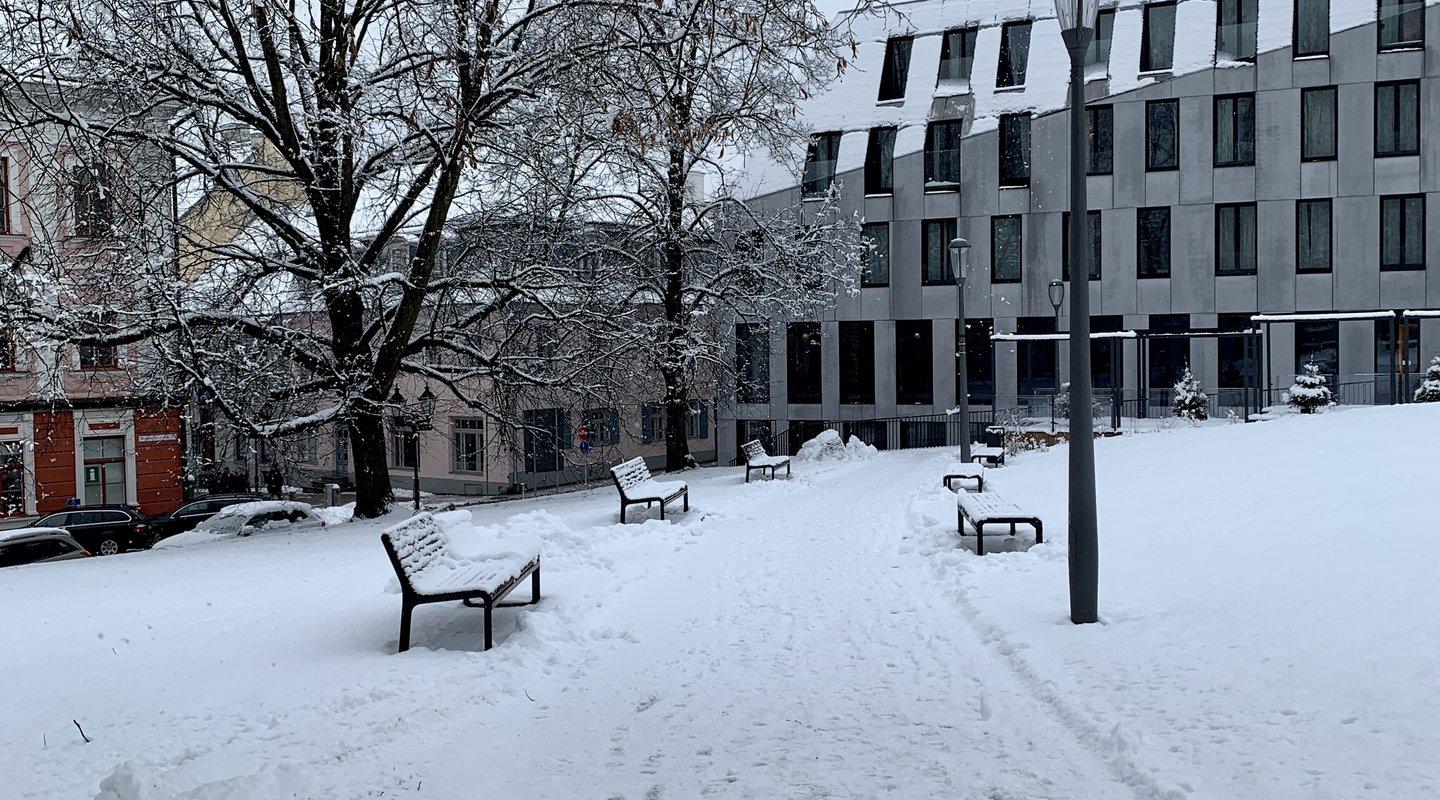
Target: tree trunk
x,y
677,417
372,470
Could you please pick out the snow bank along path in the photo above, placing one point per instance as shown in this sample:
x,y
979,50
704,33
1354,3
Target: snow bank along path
x,y
821,637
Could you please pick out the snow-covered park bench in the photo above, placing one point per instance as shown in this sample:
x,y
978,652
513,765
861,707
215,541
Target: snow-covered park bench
x,y
636,486
993,456
430,573
988,508
757,459
966,472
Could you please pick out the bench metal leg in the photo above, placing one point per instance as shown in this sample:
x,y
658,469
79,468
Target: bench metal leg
x,y
687,501
489,605
979,539
405,610
662,509
787,469
1039,532
747,473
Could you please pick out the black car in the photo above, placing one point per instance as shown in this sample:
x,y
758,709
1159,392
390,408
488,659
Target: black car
x,y
187,516
35,545
103,530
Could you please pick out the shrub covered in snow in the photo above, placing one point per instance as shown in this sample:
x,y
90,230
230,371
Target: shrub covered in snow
x,y
1429,391
1309,391
1190,401
1062,400
828,446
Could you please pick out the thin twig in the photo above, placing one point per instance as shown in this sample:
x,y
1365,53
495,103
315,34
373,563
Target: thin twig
x,y
82,731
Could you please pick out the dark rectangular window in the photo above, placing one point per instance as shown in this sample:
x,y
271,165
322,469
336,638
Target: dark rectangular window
x,y
652,423
93,204
1318,127
935,263
752,363
1152,229
1104,352
942,154
404,450
820,163
1312,235
1312,28
603,424
1014,54
697,424
1397,118
1096,243
1014,149
914,365
857,363
99,356
1318,342
1402,232
1235,130
876,261
896,70
1402,24
802,362
1006,248
1168,356
1097,55
1157,39
1162,134
1391,341
979,360
957,55
1235,30
1035,360
1234,364
1101,140
546,433
1235,236
880,161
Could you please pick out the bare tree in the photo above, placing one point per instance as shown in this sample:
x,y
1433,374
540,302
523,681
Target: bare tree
x,y
310,143
727,79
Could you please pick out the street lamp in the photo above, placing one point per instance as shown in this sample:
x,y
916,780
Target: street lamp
x,y
414,419
960,268
1057,299
1077,28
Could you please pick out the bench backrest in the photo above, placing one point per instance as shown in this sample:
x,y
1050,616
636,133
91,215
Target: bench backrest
x,y
629,474
414,545
753,450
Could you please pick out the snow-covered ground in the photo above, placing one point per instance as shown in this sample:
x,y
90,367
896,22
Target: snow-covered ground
x,y
1272,629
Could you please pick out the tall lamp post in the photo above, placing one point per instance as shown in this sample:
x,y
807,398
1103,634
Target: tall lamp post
x,y
415,418
1057,301
960,268
1077,28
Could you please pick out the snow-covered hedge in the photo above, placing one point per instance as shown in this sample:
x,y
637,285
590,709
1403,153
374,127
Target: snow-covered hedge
x,y
828,446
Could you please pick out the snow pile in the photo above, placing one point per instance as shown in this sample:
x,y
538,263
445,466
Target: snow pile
x,y
828,446
335,515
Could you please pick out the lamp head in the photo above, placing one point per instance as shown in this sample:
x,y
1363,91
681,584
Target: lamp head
x,y
960,248
1074,15
1057,294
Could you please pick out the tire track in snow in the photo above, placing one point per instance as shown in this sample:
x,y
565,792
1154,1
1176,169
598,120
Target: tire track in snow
x,y
1110,749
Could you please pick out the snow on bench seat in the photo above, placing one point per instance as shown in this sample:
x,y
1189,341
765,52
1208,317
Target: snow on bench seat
x,y
430,572
757,459
989,508
633,481
990,455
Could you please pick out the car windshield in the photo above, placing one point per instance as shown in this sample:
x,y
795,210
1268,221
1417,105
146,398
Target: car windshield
x,y
221,524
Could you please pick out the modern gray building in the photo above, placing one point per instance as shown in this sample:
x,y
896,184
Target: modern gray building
x,y
1246,157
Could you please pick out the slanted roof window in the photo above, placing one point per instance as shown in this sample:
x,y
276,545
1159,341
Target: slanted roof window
x,y
820,163
1014,54
896,70
1157,40
957,55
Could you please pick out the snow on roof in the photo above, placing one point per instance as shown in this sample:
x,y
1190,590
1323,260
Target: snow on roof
x,y
1421,313
1059,337
25,533
849,103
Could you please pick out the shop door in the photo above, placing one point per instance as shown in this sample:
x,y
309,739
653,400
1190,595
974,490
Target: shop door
x,y
104,470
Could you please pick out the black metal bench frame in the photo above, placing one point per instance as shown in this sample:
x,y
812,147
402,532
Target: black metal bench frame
x,y
626,501
490,601
993,461
979,527
948,480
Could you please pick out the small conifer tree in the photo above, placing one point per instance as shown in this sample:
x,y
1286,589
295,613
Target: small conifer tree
x,y
1429,391
1190,401
1309,391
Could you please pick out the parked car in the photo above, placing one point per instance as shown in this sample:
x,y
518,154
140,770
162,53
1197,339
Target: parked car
x,y
245,519
33,545
187,516
103,530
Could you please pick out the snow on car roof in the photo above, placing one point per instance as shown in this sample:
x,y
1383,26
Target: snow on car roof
x,y
23,533
262,507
